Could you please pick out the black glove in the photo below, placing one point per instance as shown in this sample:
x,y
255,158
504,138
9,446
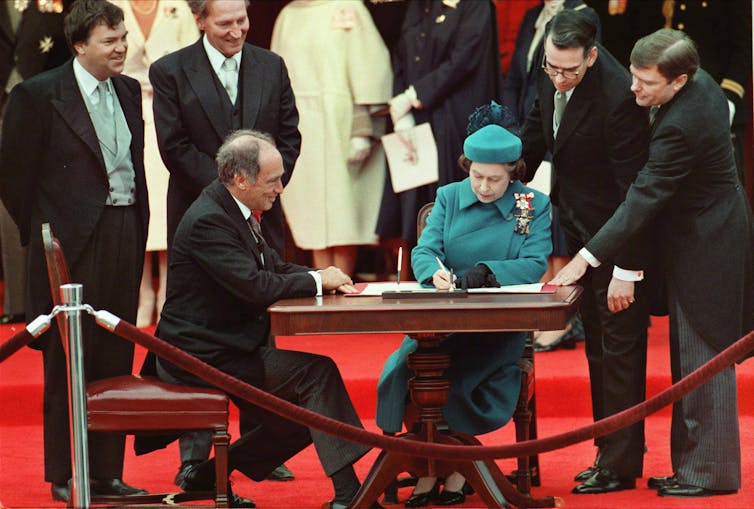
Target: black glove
x,y
479,276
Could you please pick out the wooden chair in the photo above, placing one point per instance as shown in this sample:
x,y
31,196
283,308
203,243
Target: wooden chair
x,y
525,416
133,404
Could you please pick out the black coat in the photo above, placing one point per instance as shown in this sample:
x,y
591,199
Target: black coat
x,y
191,125
52,169
451,57
601,146
689,193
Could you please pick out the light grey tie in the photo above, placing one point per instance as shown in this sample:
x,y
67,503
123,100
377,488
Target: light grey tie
x,y
652,114
230,78
256,230
560,106
109,136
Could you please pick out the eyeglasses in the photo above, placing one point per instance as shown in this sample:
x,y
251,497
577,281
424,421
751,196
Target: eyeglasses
x,y
568,74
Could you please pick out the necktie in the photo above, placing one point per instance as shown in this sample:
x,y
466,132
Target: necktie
x,y
256,231
652,114
230,78
107,116
560,106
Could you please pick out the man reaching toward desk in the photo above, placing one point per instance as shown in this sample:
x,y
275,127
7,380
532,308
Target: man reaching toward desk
x,y
221,279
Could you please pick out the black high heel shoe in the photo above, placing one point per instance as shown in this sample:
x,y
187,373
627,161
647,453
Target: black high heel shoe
x,y
422,499
454,497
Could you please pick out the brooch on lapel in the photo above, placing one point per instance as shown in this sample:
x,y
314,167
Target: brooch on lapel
x,y
525,212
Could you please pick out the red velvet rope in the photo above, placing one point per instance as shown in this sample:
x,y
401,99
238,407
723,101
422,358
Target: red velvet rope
x,y
311,419
14,343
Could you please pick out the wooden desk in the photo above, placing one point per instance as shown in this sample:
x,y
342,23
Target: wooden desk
x,y
429,321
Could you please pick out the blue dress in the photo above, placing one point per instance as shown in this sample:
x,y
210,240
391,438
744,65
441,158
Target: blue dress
x,y
484,376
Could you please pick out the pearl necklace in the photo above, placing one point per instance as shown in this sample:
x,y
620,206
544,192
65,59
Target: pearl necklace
x,y
145,12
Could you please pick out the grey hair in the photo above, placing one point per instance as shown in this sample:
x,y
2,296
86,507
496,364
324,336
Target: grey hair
x,y
199,7
239,155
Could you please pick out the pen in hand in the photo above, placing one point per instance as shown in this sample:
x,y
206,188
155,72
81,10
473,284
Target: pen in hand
x,y
449,273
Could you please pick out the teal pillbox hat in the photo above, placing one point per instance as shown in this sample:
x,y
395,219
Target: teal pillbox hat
x,y
492,144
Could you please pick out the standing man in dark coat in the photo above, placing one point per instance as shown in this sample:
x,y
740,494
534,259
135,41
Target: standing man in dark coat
x,y
598,143
31,41
221,279
689,192
197,103
72,155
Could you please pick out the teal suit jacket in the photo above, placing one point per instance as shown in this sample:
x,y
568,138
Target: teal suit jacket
x,y
462,232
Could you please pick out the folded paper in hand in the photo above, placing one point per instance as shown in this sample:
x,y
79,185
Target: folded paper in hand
x,y
412,157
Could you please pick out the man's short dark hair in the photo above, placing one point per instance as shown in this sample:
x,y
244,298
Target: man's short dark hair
x,y
86,15
239,154
672,51
571,29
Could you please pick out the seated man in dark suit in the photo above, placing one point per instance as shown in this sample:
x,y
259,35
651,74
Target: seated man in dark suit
x,y
221,279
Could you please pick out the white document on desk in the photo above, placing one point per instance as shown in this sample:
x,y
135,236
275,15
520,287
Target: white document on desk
x,y
376,289
411,157
527,288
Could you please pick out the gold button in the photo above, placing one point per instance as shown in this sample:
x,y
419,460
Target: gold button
x,y
704,4
416,59
681,26
683,7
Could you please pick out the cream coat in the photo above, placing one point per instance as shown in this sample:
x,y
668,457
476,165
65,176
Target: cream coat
x,y
336,59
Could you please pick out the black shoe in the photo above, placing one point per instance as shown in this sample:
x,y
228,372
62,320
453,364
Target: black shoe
x,y
454,497
423,499
281,473
14,318
180,477
239,501
604,480
61,492
589,472
114,487
191,481
655,483
586,474
687,490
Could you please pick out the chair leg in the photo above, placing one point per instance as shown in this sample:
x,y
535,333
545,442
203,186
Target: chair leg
x,y
522,420
534,459
220,441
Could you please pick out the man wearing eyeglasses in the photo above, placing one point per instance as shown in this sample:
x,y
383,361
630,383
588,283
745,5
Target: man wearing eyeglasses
x,y
586,116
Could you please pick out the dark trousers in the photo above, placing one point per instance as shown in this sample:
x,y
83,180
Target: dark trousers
x,y
705,448
267,440
110,271
616,351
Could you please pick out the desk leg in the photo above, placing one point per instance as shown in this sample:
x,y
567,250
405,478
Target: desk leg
x,y
429,392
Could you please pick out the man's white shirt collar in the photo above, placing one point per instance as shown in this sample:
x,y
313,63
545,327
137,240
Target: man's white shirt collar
x,y
216,58
87,83
246,211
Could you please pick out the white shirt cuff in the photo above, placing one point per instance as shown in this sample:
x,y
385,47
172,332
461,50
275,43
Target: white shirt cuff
x,y
591,260
413,98
317,280
627,275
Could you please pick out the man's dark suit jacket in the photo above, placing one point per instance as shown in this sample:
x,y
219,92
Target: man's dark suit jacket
x,y
601,146
689,193
218,295
191,124
52,169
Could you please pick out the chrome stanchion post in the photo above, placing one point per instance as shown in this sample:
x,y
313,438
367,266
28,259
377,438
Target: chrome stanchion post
x,y
71,295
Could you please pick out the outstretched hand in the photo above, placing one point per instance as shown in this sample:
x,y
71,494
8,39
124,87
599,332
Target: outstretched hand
x,y
571,273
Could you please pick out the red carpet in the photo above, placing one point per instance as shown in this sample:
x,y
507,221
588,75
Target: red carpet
x,y
563,403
